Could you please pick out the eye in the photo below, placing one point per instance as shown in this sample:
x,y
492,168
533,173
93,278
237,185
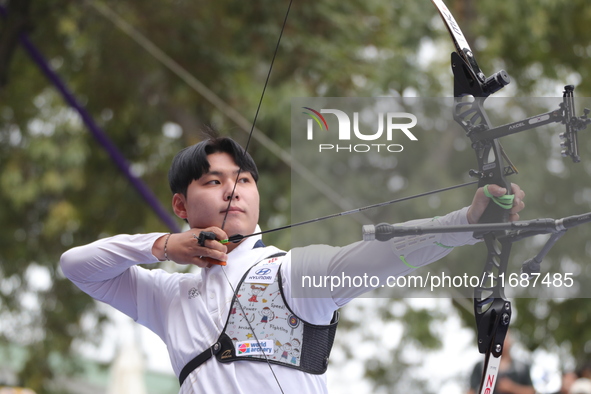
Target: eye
x,y
213,182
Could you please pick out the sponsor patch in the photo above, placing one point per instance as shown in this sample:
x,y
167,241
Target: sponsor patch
x,y
262,273
255,348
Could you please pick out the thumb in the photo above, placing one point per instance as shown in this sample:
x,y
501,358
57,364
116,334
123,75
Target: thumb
x,y
497,190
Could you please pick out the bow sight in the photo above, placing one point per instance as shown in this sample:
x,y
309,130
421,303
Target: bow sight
x,y
471,115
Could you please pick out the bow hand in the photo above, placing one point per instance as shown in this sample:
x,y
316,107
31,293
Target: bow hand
x,y
481,202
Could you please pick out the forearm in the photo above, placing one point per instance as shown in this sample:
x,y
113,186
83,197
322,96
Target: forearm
x,y
410,251
103,269
393,258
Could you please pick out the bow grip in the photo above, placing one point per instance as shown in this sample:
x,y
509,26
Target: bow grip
x,y
493,212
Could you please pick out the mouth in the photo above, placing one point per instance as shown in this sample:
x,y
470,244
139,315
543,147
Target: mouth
x,y
232,210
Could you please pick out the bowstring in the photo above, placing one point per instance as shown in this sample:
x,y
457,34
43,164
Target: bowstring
x,y
357,210
236,184
256,115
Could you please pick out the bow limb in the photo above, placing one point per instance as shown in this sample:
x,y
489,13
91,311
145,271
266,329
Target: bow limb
x,y
471,88
491,308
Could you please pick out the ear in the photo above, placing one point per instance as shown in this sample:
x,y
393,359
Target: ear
x,y
179,205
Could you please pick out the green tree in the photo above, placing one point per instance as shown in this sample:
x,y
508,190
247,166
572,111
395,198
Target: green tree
x,y
60,189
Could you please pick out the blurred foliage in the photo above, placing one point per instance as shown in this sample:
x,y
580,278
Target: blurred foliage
x,y
59,189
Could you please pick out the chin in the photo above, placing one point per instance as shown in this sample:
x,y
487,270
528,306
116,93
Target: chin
x,y
232,231
243,230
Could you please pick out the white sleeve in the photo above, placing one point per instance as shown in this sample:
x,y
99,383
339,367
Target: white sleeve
x,y
106,269
396,257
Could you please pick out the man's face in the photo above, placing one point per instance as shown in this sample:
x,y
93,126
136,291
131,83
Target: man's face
x,y
207,198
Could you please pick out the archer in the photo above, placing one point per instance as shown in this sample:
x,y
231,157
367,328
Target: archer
x,y
214,186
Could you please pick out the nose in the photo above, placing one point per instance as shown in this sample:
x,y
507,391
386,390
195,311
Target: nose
x,y
231,191
232,195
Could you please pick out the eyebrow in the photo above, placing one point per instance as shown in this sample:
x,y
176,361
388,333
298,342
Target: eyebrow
x,y
220,173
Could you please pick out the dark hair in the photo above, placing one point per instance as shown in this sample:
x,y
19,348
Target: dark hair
x,y
191,162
